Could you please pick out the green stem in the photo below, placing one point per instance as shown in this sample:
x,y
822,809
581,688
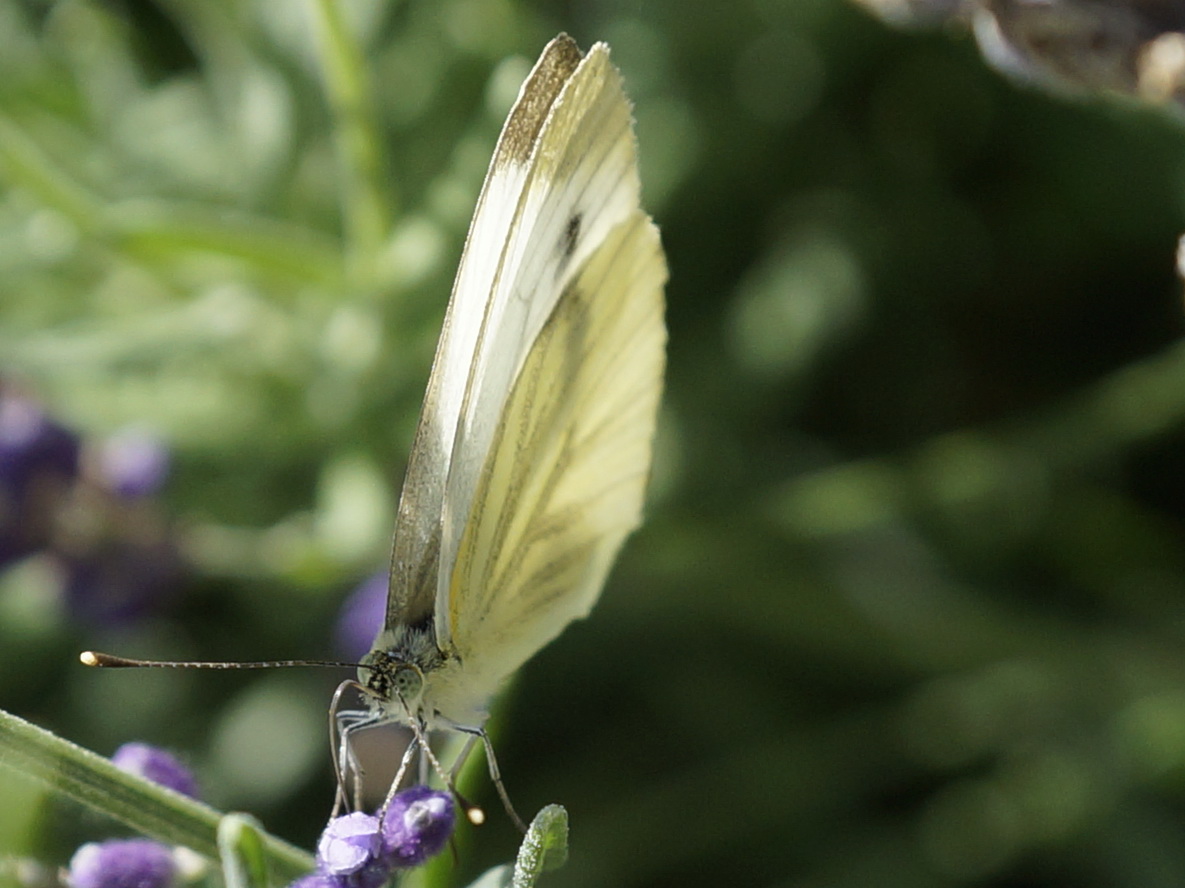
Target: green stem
x,y
151,809
27,166
366,213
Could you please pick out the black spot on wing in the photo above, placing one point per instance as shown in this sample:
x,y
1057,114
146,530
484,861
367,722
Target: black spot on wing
x,y
571,236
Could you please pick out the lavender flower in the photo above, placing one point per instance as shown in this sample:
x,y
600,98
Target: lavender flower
x,y
417,825
120,580
122,863
357,851
348,844
374,875
348,854
117,554
317,879
156,765
362,617
31,444
38,462
132,464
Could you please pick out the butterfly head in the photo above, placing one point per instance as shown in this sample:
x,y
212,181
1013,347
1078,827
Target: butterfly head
x,y
396,670
391,678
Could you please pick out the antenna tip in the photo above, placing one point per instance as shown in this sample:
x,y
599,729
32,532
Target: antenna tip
x,y
476,816
89,658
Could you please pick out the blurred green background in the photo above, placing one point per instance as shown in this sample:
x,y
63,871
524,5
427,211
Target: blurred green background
x,y
909,606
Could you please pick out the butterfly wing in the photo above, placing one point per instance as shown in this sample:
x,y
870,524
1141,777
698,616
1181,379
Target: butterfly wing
x,y
533,448
565,481
553,449
487,264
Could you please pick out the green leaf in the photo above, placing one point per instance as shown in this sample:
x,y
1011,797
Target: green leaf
x,y
161,813
544,848
240,843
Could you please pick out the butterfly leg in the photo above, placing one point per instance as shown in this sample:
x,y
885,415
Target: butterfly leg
x,y
425,767
342,724
347,768
492,765
404,764
462,757
473,812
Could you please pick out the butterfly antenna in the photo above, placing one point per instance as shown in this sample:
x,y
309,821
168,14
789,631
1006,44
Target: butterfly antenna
x,y
110,661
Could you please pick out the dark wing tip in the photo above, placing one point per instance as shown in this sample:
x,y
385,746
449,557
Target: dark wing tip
x,y
556,65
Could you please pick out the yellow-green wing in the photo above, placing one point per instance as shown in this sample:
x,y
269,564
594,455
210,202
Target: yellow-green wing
x,y
571,455
581,183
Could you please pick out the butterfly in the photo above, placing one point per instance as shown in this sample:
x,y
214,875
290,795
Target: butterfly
x,y
533,450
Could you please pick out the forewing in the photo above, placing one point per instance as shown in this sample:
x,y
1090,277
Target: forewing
x,y
571,456
485,264
581,186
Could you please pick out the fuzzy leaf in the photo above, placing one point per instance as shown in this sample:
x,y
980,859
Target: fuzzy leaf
x,y
544,848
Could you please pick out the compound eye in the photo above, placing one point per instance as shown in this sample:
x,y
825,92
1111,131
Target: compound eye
x,y
408,682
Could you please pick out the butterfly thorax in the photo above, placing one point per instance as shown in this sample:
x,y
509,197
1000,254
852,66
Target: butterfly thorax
x,y
396,669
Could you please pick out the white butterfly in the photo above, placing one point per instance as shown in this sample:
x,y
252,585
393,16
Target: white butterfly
x,y
533,450
534,443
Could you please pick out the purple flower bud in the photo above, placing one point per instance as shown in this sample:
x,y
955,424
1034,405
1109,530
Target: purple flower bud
x,y
417,825
375,874
121,581
362,617
31,443
122,863
156,765
317,879
348,844
38,461
132,463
